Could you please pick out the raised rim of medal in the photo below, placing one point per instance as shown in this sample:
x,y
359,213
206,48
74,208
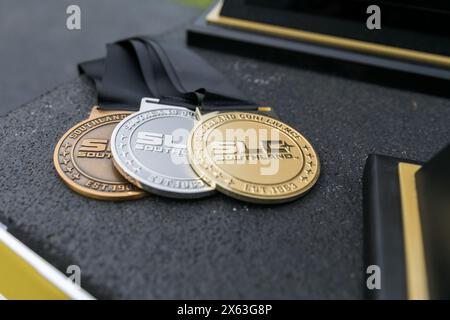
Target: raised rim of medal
x,y
216,178
80,189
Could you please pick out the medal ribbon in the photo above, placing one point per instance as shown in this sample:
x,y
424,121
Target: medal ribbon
x,y
142,67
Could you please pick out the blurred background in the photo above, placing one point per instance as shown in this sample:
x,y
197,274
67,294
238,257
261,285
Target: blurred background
x,y
38,52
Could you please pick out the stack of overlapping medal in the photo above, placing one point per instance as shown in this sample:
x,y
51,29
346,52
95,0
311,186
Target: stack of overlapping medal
x,y
181,151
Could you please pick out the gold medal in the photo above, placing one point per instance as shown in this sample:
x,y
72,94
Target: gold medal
x,y
83,158
252,157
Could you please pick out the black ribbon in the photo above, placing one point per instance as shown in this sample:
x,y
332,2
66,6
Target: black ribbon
x,y
143,67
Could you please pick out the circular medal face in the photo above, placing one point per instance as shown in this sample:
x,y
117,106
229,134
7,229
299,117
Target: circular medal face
x,y
252,157
150,150
83,159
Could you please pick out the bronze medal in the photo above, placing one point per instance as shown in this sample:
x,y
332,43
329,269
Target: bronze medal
x,y
83,158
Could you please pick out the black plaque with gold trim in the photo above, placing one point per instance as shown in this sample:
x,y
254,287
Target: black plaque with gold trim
x,y
410,50
406,226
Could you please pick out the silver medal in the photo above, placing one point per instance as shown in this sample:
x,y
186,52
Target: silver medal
x,y
150,149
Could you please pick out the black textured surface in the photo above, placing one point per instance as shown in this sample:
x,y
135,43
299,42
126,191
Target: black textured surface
x,y
219,247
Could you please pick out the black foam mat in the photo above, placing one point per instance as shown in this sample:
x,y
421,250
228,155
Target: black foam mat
x,y
219,247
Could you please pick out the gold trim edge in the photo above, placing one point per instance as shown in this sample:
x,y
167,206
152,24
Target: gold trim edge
x,y
416,276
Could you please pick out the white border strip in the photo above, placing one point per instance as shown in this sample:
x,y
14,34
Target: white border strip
x,y
45,269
